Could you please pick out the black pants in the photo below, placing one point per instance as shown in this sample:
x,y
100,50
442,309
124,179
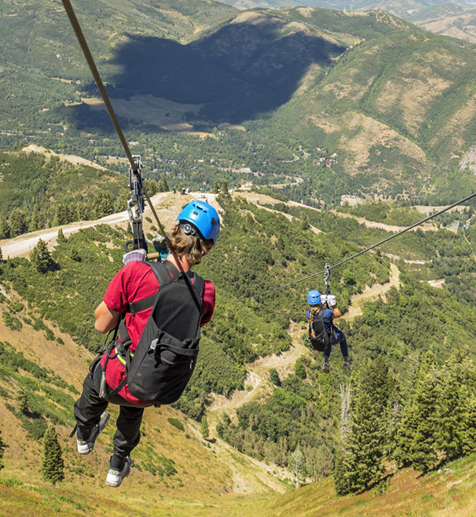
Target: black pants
x,y
89,408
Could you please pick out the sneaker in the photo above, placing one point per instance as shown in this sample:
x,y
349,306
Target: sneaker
x,y
115,475
325,367
346,365
86,445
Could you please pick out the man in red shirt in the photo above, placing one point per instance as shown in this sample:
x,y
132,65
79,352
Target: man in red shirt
x,y
195,232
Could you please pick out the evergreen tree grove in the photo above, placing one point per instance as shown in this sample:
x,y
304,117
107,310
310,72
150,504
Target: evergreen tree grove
x,y
52,465
3,446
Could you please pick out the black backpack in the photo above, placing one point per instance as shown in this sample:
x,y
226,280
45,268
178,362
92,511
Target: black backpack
x,y
318,335
161,366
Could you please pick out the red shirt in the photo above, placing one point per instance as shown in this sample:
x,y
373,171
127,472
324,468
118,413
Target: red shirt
x,y
133,283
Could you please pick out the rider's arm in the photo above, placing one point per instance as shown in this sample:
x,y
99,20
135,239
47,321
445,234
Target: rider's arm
x,y
115,300
106,318
337,313
208,302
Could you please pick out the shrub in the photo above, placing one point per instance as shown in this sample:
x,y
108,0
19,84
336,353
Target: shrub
x,y
176,423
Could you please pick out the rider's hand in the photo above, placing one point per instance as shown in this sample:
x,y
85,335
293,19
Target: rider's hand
x,y
331,300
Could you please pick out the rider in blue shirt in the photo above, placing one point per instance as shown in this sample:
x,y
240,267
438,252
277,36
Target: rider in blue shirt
x,y
315,299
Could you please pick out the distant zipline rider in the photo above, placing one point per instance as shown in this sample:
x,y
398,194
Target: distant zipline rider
x,y
158,309
322,331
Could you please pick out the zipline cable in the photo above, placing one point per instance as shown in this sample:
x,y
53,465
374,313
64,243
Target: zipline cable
x,y
461,201
92,66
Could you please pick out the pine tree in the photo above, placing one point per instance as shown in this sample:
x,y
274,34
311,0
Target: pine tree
x,y
4,228
103,204
456,432
423,448
393,416
299,369
38,221
3,446
40,257
75,254
417,436
216,188
342,482
224,188
63,215
22,400
164,184
17,222
365,442
304,221
52,465
274,376
61,238
204,427
1,255
344,457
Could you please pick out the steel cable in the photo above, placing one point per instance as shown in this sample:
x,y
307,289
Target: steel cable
x,y
92,66
461,201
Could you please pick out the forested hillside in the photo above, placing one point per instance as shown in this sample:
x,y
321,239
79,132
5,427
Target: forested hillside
x,y
415,334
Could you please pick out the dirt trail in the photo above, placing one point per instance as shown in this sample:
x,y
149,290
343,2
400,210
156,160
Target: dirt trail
x,y
23,244
387,227
75,160
247,471
372,293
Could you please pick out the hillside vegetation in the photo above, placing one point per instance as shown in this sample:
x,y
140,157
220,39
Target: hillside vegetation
x,y
258,250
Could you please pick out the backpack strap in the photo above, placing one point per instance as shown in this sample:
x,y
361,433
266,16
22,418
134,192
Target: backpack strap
x,y
162,272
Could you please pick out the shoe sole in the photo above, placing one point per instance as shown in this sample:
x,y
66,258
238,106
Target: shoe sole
x,y
121,479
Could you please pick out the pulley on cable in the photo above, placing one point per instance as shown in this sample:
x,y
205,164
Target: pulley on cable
x,y
135,207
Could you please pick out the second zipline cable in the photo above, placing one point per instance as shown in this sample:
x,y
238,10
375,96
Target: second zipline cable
x,y
460,202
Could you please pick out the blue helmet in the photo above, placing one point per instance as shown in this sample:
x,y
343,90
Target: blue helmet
x,y
313,297
201,217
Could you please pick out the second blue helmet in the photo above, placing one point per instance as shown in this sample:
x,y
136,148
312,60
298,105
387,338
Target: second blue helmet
x,y
313,297
203,217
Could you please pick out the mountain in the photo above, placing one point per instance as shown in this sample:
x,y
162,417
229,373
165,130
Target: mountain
x,y
270,88
453,20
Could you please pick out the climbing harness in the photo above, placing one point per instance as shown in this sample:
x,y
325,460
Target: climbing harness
x,y
401,232
138,192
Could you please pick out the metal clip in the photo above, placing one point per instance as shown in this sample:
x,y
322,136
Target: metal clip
x,y
154,344
102,387
327,275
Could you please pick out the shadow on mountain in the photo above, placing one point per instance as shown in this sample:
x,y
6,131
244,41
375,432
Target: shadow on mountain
x,y
239,72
